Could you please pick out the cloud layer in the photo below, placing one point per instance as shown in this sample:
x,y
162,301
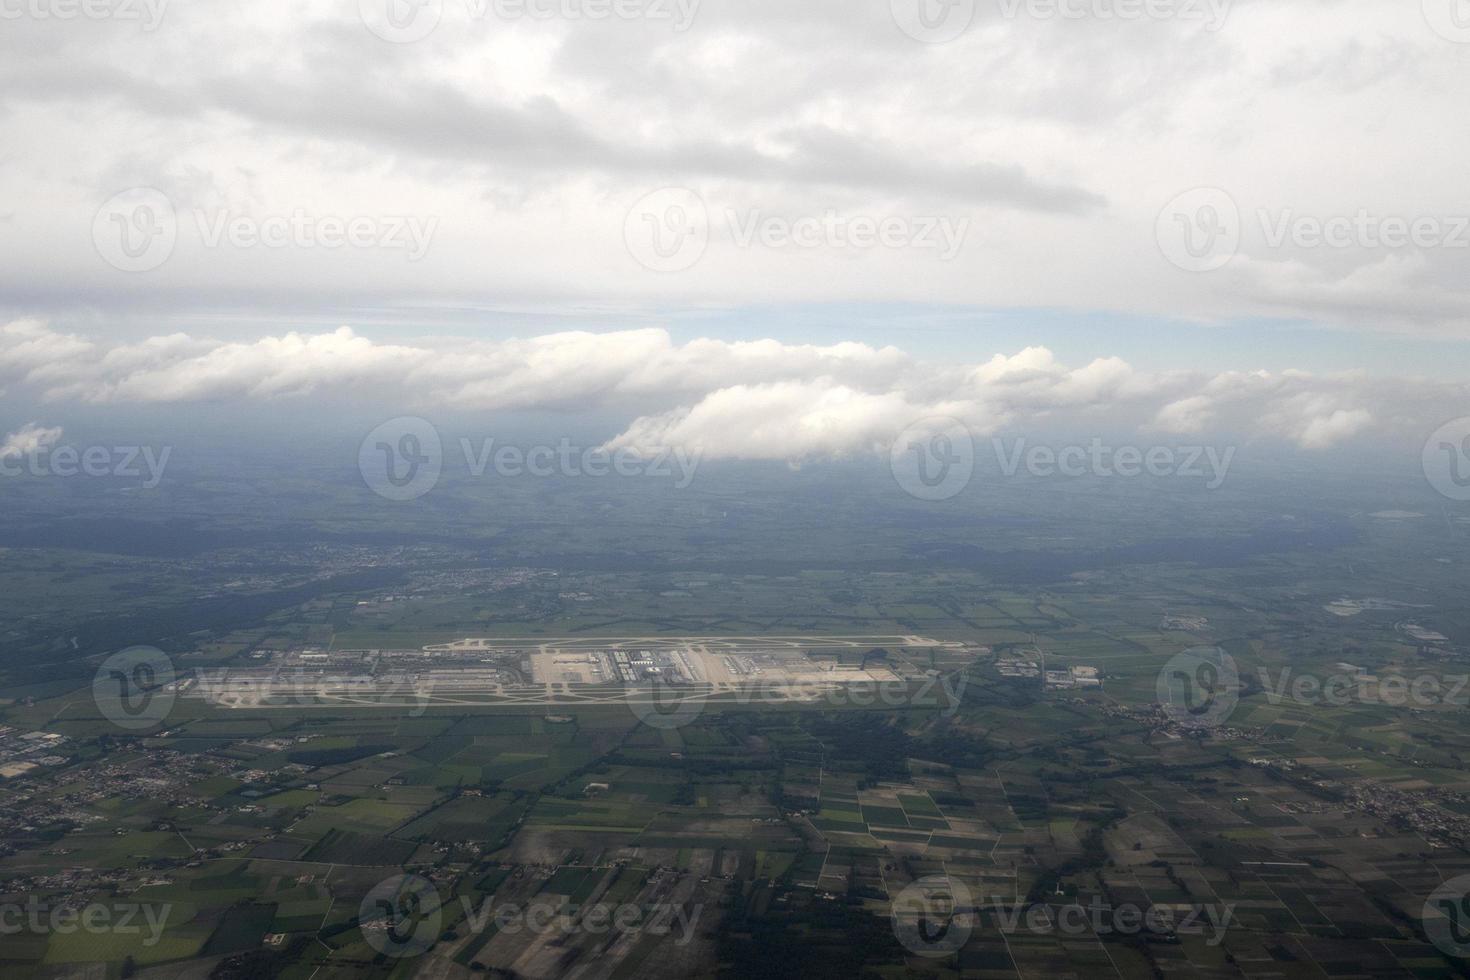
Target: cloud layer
x,y
1058,138
742,400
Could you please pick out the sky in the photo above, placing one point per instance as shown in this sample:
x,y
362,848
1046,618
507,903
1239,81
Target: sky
x,y
779,229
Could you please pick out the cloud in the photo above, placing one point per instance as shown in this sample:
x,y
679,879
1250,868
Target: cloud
x,y
1326,431
30,438
577,368
758,399
787,420
28,346
1058,138
1185,416
1316,420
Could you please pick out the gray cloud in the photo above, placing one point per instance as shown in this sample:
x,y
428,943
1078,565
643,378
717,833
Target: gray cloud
x,y
1059,140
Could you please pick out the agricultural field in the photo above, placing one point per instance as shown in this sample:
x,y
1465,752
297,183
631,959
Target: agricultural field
x,y
1011,741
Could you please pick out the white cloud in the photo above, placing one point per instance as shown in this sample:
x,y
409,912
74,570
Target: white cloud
x,y
1327,431
1316,420
757,399
787,420
1185,416
29,438
28,345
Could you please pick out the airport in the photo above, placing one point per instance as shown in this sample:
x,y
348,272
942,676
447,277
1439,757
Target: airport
x,y
576,670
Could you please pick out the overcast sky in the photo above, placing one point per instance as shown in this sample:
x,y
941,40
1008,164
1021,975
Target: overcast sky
x,y
1171,189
